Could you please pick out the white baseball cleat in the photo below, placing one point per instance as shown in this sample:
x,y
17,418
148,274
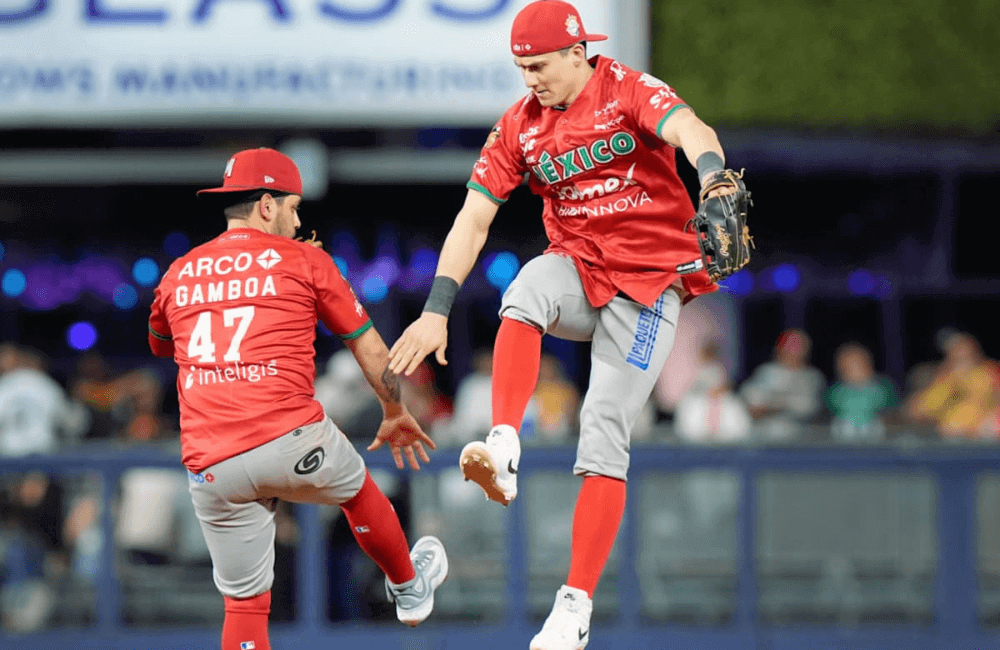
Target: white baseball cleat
x,y
493,464
415,599
568,626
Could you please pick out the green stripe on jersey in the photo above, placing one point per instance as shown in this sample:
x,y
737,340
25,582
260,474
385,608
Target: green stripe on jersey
x,y
356,333
157,335
479,188
669,113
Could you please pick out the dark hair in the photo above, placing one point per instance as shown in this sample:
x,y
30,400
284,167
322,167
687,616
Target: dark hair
x,y
239,205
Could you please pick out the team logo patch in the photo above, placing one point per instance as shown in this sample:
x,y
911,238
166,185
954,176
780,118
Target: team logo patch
x,y
268,258
572,26
310,462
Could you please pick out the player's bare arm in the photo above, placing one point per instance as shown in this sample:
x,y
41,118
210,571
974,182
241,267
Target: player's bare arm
x,y
462,246
684,129
398,428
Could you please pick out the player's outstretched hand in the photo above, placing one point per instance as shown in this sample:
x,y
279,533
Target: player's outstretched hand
x,y
427,334
404,436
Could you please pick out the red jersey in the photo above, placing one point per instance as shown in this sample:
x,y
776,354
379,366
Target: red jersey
x,y
613,199
241,312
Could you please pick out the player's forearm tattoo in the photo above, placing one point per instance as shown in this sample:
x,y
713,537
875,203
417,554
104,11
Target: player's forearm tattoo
x,y
390,381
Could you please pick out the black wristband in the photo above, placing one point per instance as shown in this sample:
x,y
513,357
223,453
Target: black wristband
x,y
442,295
707,163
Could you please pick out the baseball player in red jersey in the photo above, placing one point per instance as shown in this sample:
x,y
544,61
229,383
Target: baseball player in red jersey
x,y
239,316
597,141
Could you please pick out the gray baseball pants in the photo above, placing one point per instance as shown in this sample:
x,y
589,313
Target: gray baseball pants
x,y
629,347
235,499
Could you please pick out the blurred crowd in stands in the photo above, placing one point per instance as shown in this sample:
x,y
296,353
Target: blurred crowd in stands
x,y
50,532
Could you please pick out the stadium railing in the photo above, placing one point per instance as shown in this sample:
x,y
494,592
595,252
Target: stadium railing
x,y
721,547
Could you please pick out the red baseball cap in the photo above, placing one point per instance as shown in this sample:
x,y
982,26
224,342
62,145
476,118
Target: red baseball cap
x,y
546,26
259,169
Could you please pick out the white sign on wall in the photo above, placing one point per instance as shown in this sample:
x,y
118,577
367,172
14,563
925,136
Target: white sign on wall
x,y
300,62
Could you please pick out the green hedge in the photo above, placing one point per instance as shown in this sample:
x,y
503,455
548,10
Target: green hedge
x,y
894,66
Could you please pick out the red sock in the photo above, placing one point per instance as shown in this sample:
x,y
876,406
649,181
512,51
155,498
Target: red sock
x,y
599,510
245,625
375,525
516,358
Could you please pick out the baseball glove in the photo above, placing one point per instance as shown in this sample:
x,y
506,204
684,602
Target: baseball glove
x,y
721,225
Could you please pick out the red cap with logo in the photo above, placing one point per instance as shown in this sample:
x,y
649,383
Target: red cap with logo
x,y
259,169
546,26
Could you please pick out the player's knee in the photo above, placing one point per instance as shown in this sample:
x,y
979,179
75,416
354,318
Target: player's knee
x,y
245,586
524,303
604,438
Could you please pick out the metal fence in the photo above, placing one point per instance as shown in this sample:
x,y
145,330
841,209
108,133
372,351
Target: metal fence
x,y
723,548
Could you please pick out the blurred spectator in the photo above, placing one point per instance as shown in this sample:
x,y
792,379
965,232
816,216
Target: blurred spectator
x,y
471,419
558,401
428,405
31,555
156,523
129,405
35,413
709,319
710,411
860,399
920,376
785,393
138,406
94,387
961,399
347,397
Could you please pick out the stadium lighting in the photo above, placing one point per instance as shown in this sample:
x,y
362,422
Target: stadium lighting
x,y
145,271
125,296
13,283
501,269
740,283
861,283
81,336
785,278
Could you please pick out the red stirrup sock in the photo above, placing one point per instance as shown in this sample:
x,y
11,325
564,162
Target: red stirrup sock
x,y
245,625
599,510
516,359
375,525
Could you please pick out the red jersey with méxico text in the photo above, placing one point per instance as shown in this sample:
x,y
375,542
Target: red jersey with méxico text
x,y
613,199
241,311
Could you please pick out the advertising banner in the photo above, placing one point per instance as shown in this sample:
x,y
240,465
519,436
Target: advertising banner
x,y
273,62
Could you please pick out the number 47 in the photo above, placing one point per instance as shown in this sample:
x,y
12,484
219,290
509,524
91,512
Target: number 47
x,y
201,344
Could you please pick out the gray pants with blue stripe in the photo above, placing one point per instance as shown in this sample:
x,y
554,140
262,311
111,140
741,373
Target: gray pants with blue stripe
x,y
629,347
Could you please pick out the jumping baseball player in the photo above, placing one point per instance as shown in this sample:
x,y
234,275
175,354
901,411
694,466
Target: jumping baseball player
x,y
239,316
596,140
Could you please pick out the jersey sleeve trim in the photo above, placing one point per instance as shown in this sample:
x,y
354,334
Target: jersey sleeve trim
x,y
673,110
157,335
479,188
358,332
